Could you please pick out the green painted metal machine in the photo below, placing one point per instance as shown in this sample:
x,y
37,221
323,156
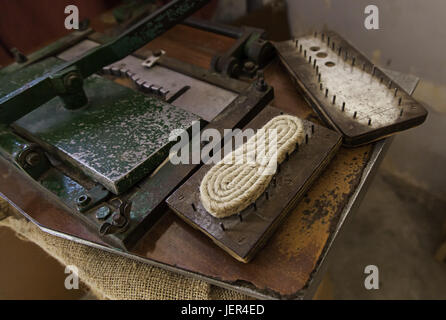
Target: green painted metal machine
x,y
98,148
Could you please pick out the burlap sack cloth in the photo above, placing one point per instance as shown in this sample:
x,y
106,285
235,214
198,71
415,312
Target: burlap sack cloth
x,y
113,277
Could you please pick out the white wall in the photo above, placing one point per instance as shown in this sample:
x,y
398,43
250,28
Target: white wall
x,y
412,35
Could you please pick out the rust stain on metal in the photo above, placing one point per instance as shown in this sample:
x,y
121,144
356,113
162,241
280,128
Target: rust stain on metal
x,y
319,210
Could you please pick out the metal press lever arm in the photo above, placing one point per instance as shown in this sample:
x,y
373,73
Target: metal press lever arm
x,y
66,80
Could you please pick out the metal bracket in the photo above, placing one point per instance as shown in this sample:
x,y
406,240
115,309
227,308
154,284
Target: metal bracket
x,y
117,222
69,85
141,84
91,198
151,60
250,53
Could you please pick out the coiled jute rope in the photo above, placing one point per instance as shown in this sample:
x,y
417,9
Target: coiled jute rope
x,y
237,180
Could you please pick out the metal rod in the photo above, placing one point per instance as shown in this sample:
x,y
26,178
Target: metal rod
x,y
214,27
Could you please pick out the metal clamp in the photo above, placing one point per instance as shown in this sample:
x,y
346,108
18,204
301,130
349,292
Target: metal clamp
x,y
91,198
118,221
249,54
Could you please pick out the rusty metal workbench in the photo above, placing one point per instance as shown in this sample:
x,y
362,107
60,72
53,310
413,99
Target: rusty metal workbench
x,y
291,264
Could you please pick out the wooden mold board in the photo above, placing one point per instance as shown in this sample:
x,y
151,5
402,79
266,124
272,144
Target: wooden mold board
x,y
347,91
243,238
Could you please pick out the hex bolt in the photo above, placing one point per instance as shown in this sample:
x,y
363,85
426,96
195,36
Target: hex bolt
x,y
102,213
83,200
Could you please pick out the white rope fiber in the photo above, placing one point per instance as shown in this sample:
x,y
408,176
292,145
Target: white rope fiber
x,y
243,175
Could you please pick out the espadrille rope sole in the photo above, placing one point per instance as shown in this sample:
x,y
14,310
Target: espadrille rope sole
x,y
242,176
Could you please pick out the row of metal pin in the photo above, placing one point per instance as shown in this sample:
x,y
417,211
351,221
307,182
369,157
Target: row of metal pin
x,y
266,193
143,85
318,74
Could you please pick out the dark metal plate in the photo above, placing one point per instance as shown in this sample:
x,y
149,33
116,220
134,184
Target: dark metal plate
x,y
119,138
349,93
242,239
